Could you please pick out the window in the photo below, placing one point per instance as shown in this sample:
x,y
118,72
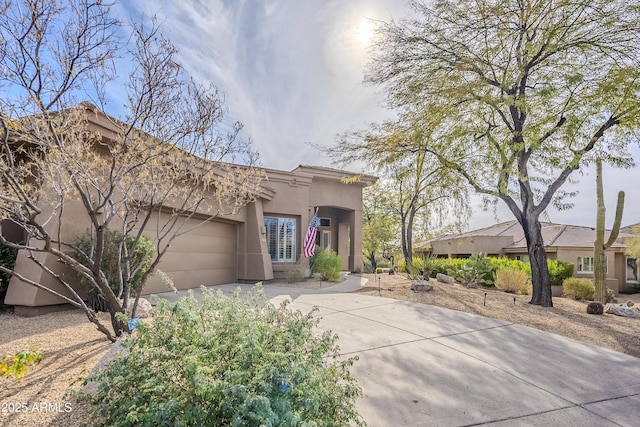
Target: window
x,y
632,270
585,264
523,258
326,239
281,238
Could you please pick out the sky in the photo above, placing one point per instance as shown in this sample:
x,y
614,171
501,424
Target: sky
x,y
292,73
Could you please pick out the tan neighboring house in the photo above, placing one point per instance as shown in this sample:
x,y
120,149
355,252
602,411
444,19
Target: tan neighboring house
x,y
261,242
563,242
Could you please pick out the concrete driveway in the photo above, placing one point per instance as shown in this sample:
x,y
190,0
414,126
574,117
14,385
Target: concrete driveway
x,y
422,365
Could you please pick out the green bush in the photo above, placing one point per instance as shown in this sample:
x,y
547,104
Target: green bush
x,y
112,262
7,259
510,263
513,281
578,288
476,269
229,361
447,266
17,365
379,270
328,264
559,271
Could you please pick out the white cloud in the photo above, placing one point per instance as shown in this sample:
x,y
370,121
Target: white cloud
x,y
292,72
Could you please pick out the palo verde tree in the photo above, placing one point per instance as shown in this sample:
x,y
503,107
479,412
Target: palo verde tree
x,y
418,189
158,171
379,225
515,96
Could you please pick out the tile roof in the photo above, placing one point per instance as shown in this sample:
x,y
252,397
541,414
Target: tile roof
x,y
553,234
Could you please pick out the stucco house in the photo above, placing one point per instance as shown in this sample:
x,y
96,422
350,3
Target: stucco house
x,y
259,243
563,242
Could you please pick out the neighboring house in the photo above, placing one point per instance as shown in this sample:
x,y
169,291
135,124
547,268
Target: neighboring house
x,y
562,242
261,242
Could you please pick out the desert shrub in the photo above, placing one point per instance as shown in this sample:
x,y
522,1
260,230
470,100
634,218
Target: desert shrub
x,y
16,365
379,270
447,266
112,262
294,272
559,271
611,296
513,281
578,288
383,263
328,264
476,269
232,361
509,263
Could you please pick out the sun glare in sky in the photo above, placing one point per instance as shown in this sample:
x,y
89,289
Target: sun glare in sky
x,y
364,31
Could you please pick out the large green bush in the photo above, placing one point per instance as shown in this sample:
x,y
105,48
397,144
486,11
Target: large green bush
x,y
477,269
7,259
559,271
578,288
230,361
327,263
113,262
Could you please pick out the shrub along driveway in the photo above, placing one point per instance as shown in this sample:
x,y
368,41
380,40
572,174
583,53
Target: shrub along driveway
x,y
426,365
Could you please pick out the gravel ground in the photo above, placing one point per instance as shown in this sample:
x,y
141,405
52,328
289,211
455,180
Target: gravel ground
x,y
72,346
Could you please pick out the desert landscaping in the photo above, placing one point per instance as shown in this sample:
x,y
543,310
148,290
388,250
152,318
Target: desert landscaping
x,y
72,346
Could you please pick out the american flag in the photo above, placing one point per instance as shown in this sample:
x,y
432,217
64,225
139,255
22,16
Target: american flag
x,y
309,245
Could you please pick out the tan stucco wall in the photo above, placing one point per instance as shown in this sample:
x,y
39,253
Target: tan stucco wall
x,y
491,245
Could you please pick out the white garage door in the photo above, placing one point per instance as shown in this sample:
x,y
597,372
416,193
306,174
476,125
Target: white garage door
x,y
204,256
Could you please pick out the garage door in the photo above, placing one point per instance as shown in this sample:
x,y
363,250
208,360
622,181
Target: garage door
x,y
204,256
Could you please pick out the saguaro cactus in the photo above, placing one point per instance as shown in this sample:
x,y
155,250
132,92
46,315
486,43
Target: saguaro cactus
x,y
600,260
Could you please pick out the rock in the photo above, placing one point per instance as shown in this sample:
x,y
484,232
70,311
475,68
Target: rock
x,y
595,308
621,311
471,284
421,286
444,278
143,310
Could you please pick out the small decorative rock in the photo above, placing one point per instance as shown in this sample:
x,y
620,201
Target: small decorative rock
x,y
421,286
143,310
444,278
595,308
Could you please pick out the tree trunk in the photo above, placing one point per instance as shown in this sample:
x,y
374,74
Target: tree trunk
x,y
538,258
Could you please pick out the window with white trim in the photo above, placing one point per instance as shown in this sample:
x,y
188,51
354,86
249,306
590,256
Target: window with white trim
x,y
281,238
585,264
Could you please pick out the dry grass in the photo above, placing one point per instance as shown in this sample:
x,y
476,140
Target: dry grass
x,y
72,346
567,317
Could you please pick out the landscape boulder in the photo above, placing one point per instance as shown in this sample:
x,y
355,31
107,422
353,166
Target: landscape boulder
x,y
444,278
143,310
421,286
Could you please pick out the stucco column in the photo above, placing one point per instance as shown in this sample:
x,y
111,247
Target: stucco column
x,y
254,262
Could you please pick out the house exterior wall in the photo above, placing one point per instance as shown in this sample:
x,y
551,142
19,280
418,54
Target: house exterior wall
x,y
225,249
454,247
616,276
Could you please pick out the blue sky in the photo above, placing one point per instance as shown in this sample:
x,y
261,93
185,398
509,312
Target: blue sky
x,y
292,72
